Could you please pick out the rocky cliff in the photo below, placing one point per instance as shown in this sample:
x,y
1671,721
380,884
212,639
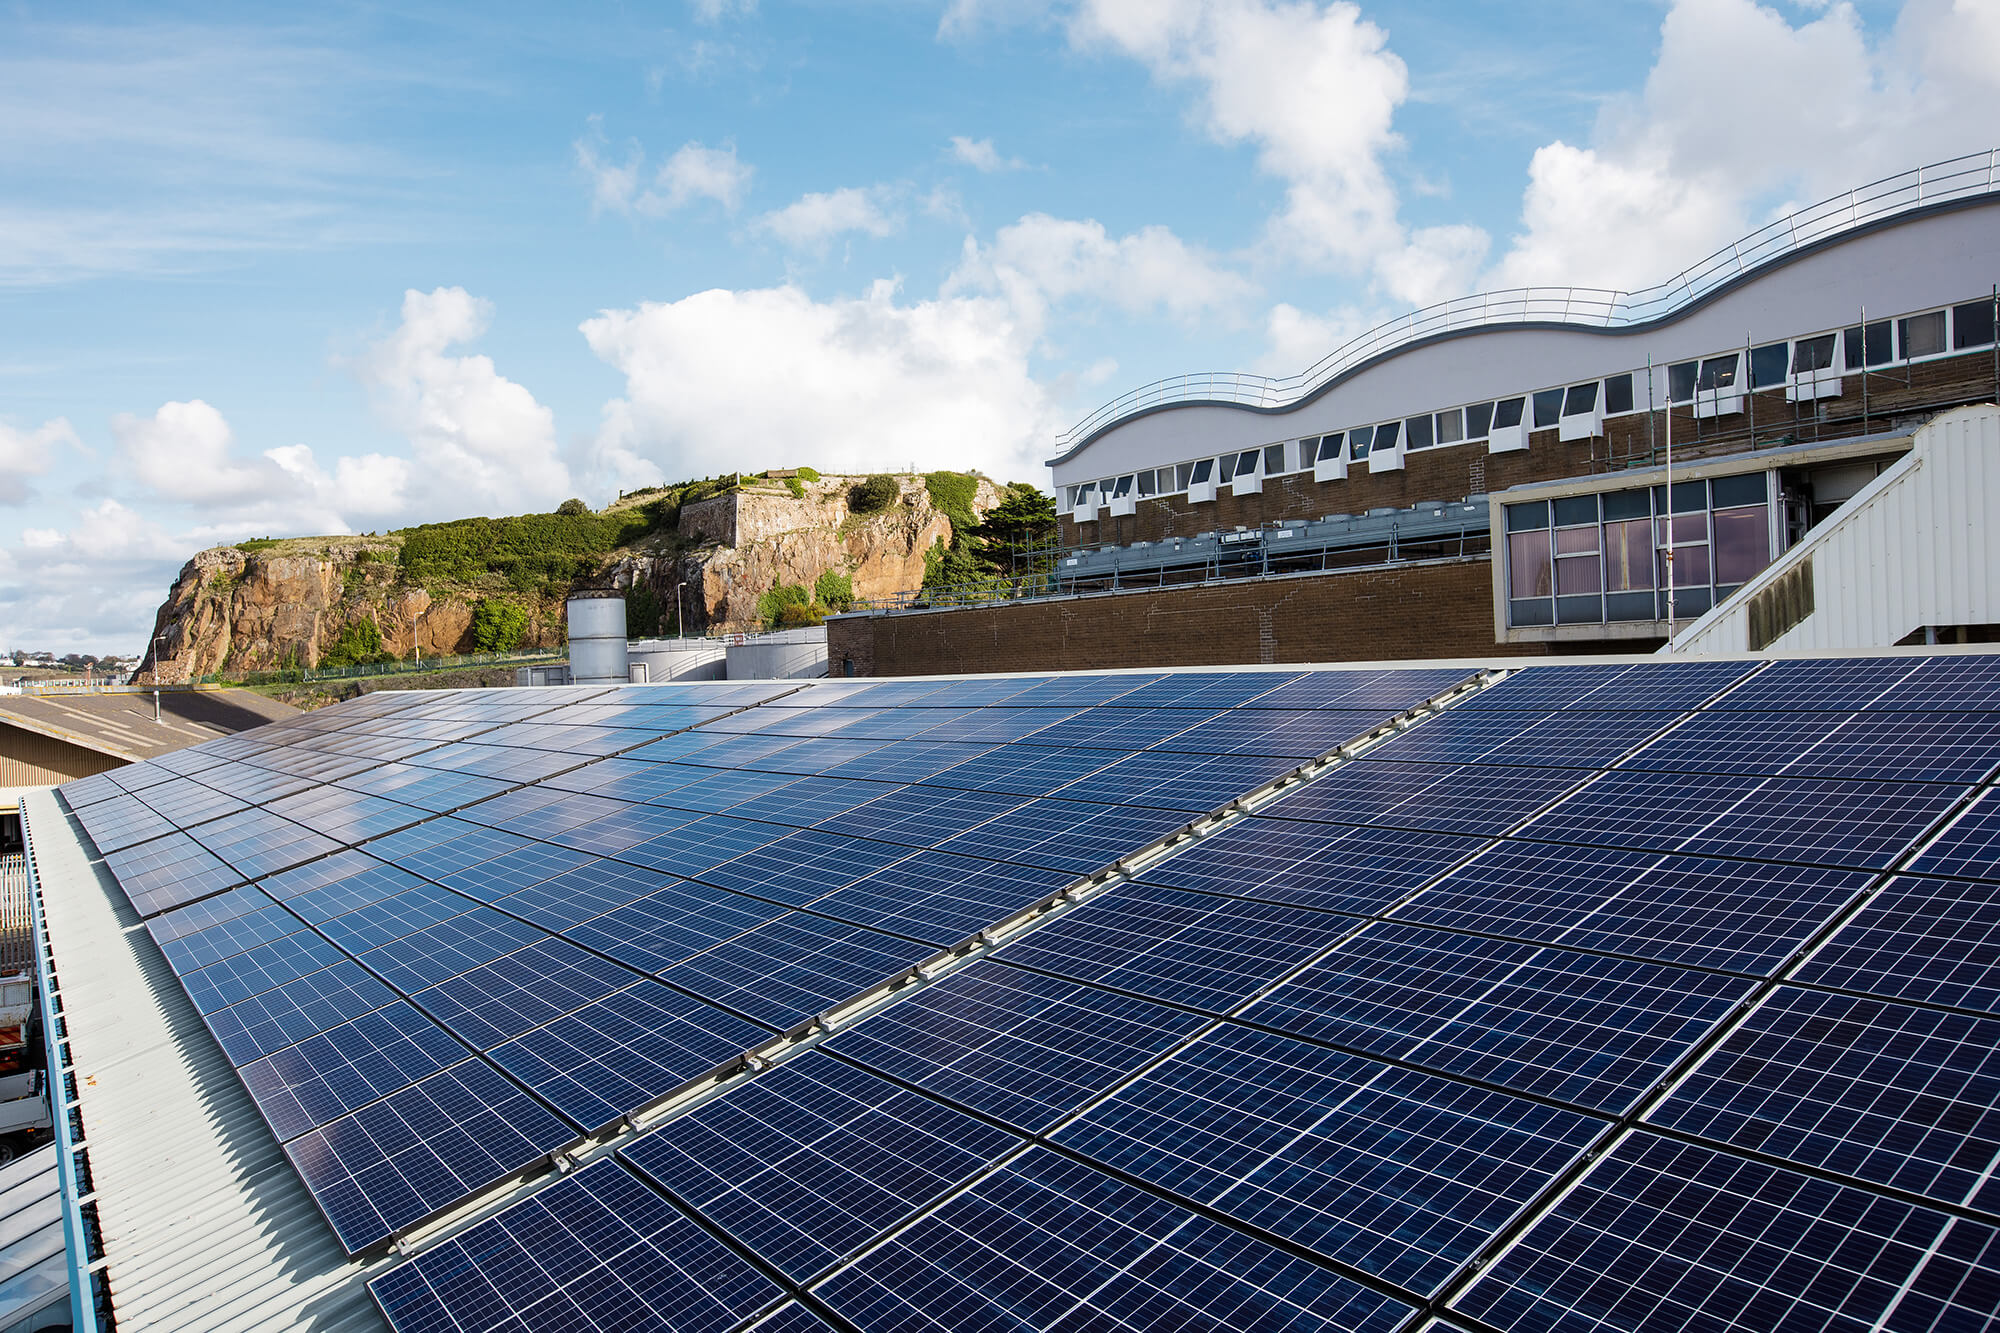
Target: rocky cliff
x,y
267,605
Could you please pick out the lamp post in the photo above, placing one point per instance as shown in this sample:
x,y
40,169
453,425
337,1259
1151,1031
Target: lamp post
x,y
157,640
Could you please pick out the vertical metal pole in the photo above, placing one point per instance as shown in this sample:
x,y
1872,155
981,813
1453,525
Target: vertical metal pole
x,y
1864,370
1749,389
1672,622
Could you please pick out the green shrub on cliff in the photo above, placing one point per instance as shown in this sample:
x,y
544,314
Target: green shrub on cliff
x,y
358,643
497,627
873,495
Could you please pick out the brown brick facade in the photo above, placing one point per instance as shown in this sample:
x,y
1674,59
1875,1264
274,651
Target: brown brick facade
x,y
1436,609
1456,471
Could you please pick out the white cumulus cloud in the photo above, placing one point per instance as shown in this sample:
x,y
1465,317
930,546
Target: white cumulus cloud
x,y
478,438
722,381
1042,260
813,220
981,155
29,453
1736,124
695,171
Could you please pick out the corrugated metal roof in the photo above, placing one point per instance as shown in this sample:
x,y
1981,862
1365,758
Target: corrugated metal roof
x,y
205,1224
33,1273
120,723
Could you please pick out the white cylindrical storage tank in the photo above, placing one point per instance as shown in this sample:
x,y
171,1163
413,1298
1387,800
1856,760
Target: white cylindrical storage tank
x,y
597,654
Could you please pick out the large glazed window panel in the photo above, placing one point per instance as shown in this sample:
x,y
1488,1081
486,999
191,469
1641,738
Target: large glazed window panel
x,y
1528,570
1628,555
1742,544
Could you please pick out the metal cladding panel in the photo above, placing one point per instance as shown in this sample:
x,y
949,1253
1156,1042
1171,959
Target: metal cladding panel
x,y
1916,547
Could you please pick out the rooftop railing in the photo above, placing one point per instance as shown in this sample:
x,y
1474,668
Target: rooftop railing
x,y
1580,307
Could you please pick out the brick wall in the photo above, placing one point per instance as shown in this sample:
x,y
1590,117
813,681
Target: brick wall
x,y
1435,609
1455,471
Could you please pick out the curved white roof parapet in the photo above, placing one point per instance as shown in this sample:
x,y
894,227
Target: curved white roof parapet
x,y
1586,308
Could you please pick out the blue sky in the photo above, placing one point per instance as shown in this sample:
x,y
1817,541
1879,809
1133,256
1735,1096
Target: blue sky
x,y
356,269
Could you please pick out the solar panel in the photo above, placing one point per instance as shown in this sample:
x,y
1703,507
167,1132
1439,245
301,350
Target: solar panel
x,y
1328,1060
1400,1174
1188,948
1674,1235
1876,1091
395,1162
597,1251
625,1051
1021,1048
1928,940
1675,909
814,1161
1045,1236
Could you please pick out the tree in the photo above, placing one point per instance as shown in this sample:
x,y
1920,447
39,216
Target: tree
x,y
873,495
1024,521
572,508
497,627
834,591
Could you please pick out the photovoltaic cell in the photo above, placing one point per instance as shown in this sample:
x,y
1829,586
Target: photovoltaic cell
x,y
921,816
1361,870
1024,770
523,990
1037,1243
1819,685
192,952
1186,948
618,1054
1928,940
1400,1174
1970,847
392,918
672,925
1748,741
322,1078
1178,781
1021,1048
395,1162
512,871
576,896
168,872
1075,836
795,967
597,1252
1663,1235
815,1160
941,898
1676,909
314,1003
451,947
803,866
122,821
185,921
1873,1090
703,845
241,975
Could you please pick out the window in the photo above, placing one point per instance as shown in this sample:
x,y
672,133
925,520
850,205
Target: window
x,y
1618,394
1451,426
1081,494
1274,459
1124,487
1744,489
1718,372
1578,570
1680,381
1972,325
1183,474
1329,447
1246,463
1419,433
1479,420
1742,544
1522,517
1690,549
1385,436
1767,365
1228,468
1358,441
1148,483
1548,408
1922,335
1580,399
1507,412
1810,354
1528,570
1869,346
1203,470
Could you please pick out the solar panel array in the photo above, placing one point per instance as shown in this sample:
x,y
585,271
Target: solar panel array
x,y
1621,997
445,936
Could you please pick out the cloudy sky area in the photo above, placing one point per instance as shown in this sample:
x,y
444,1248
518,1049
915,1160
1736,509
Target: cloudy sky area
x,y
363,270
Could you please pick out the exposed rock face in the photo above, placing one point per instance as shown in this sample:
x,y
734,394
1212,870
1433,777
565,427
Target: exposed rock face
x,y
262,610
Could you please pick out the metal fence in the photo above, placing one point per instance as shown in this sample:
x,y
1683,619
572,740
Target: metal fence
x,y
302,675
1583,307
